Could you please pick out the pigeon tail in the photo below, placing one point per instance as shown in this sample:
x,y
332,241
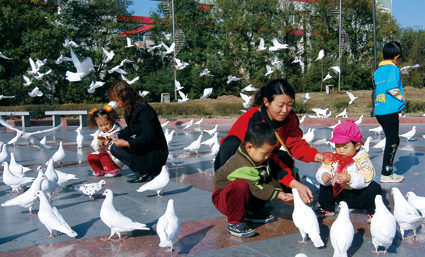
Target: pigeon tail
x,y
70,233
141,226
317,241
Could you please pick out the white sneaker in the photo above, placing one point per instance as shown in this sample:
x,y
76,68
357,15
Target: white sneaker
x,y
393,178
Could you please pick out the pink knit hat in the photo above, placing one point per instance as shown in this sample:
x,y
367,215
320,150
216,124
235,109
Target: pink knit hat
x,y
346,132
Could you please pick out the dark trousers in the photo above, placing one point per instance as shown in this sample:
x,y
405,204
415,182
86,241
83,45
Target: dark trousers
x,y
235,199
390,125
124,156
356,198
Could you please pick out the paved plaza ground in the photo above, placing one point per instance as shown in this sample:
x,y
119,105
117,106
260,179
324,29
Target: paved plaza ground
x,y
202,230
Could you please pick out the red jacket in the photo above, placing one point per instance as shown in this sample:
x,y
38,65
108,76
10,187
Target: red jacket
x,y
289,131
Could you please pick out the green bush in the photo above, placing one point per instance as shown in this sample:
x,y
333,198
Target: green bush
x,y
415,106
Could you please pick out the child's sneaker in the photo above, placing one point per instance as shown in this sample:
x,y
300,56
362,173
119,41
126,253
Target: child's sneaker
x,y
262,218
112,173
240,230
393,178
323,213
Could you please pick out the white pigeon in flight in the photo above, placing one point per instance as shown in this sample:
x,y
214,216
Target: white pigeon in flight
x,y
342,231
382,226
306,221
36,92
59,155
195,145
205,72
269,69
129,43
416,201
296,60
177,85
94,85
144,93
352,97
212,131
231,78
69,43
305,97
6,97
261,46
62,58
168,227
158,183
130,82
114,219
28,81
405,69
336,69
181,65
246,100
250,87
124,61
183,97
377,130
168,50
406,215
34,67
409,134
108,54
277,45
117,69
320,55
50,217
83,68
343,114
328,76
4,56
207,93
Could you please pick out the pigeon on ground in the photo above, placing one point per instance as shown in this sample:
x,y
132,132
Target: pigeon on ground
x,y
51,218
168,50
4,155
320,55
115,220
320,112
342,231
416,201
366,144
28,198
382,226
51,172
352,97
16,168
168,227
80,138
409,134
13,181
305,97
405,214
246,100
334,126
302,119
309,136
109,55
59,155
205,72
188,124
250,87
158,183
49,187
199,122
210,142
194,146
261,46
165,124
343,114
207,93
90,189
377,130
306,221
169,136
360,120
380,145
212,131
215,148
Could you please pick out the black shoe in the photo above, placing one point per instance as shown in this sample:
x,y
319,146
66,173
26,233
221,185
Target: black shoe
x,y
261,218
140,179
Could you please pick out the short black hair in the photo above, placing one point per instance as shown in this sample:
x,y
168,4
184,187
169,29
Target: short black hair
x,y
259,133
392,49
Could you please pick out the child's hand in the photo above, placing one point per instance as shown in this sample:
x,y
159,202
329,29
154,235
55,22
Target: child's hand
x,y
343,178
287,198
326,177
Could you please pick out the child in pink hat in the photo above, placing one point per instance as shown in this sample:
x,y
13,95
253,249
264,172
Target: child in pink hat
x,y
347,175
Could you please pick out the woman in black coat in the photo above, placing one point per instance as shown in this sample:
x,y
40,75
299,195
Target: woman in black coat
x,y
141,145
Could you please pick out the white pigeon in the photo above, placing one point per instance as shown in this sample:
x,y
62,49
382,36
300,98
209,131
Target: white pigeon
x,y
305,97
359,121
277,45
269,69
231,78
320,112
51,173
366,144
151,48
129,43
215,148
210,142
343,114
94,85
64,177
36,92
306,221
28,198
168,50
43,143
301,255
405,69
165,124
328,76
406,215
50,217
16,168
296,60
333,126
117,69
342,231
130,82
250,87
194,146
380,145
177,85
246,100
6,97
28,81
309,136
62,58
80,138
302,119
109,55
90,189
124,61
144,93
169,136
320,55
4,56
188,124
199,122
13,181
416,201
168,227
409,134
114,219
207,93
336,69
261,46
69,43
4,155
181,65
49,187
377,130
183,97
158,183
59,155
212,131
382,226
352,97
83,68
41,75
205,72
34,67
276,62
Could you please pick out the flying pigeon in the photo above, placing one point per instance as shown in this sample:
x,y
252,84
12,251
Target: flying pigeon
x,y
168,227
35,92
80,138
212,131
231,78
277,46
90,189
405,69
296,60
41,75
377,129
144,93
69,43
129,43
130,82
181,65
50,217
269,70
114,219
320,55
205,72
276,62
328,76
4,56
405,214
343,114
207,93
94,85
342,231
382,226
34,67
28,81
158,183
151,48
109,55
416,201
59,155
246,100
336,69
261,46
194,146
83,68
168,50
124,61
249,88
352,97
117,69
177,85
409,134
183,96
305,97
306,221
62,58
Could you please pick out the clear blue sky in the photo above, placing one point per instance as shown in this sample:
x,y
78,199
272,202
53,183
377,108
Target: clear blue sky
x,y
408,13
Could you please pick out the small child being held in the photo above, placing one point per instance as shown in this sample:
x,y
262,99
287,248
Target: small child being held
x,y
102,161
244,183
348,174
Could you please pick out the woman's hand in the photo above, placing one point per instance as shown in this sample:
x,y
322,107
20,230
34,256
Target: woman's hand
x,y
304,192
318,157
120,142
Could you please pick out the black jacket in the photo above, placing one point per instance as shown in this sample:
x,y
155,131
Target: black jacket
x,y
146,139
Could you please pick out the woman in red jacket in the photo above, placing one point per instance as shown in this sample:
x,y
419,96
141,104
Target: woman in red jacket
x,y
274,105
